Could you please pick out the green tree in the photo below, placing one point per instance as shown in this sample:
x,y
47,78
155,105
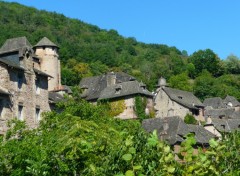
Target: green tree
x,y
206,59
181,81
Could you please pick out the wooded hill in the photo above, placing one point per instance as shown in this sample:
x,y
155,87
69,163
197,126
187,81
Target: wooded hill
x,y
87,50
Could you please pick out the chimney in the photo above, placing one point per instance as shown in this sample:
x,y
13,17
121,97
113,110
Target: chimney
x,y
165,125
162,82
111,79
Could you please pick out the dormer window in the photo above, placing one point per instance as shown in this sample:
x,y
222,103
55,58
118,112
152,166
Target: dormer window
x,y
223,126
118,89
180,97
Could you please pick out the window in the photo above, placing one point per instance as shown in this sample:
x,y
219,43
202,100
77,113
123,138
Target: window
x,y
1,108
37,115
37,84
20,81
223,126
20,112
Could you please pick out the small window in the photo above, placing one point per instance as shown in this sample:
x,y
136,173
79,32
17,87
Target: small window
x,y
20,81
37,84
38,117
223,126
1,108
180,97
20,112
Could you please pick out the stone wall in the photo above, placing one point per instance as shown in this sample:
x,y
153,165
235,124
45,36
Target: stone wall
x,y
165,107
50,64
129,112
26,96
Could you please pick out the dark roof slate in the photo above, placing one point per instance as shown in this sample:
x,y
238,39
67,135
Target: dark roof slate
x,y
176,130
41,73
226,125
232,100
12,63
124,89
184,98
15,44
215,102
96,84
216,113
55,97
45,42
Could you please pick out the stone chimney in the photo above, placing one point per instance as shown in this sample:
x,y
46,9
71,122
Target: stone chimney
x,y
162,82
111,79
165,125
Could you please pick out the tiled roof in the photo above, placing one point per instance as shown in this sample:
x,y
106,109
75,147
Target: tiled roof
x,y
96,84
226,125
124,89
232,100
216,113
176,130
45,42
55,97
41,73
15,44
12,63
184,98
215,103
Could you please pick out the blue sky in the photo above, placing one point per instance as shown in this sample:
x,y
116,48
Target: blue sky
x,y
187,24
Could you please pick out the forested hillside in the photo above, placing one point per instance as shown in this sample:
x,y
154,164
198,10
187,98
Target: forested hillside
x,y
87,50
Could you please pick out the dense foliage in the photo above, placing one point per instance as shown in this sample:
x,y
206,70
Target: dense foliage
x,y
86,50
84,140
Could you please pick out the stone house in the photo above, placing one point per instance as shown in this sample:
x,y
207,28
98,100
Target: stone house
x,y
27,74
116,86
222,115
173,102
173,130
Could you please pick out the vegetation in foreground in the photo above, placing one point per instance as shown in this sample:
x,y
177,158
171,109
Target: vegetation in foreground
x,y
85,140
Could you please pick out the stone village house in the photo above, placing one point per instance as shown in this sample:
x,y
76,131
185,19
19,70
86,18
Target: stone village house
x,y
116,86
28,74
170,102
222,115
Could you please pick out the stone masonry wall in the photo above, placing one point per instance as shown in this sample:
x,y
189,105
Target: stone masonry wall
x,y
26,96
165,107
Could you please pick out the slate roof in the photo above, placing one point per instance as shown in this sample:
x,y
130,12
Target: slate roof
x,y
41,73
45,42
215,103
96,84
176,130
224,112
231,99
226,125
124,89
12,63
15,44
55,97
184,98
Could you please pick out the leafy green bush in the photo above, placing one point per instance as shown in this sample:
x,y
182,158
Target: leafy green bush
x,y
190,119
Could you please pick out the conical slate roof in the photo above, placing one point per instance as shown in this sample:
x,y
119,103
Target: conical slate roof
x,y
15,44
45,42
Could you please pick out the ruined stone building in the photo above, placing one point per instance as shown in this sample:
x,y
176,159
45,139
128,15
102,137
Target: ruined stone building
x,y
117,86
27,74
173,102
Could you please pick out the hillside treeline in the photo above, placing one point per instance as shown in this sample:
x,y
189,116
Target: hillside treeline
x,y
87,50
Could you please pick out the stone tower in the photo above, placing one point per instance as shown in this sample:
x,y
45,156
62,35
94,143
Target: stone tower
x,y
47,51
